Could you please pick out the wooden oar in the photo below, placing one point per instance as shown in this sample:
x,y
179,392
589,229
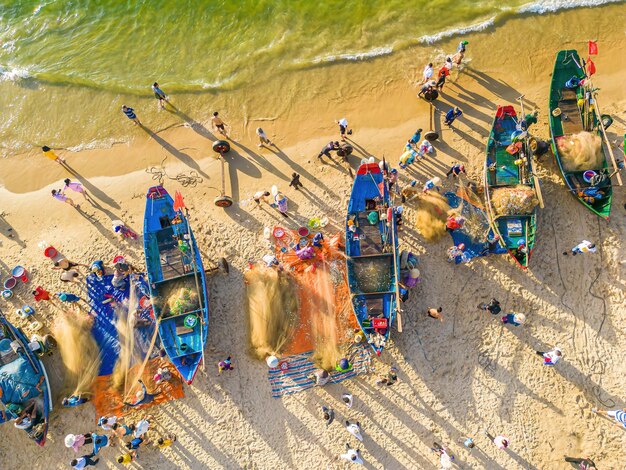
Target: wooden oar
x,y
606,141
533,168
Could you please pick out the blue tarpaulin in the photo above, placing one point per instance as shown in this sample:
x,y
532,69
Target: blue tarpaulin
x,y
473,247
104,328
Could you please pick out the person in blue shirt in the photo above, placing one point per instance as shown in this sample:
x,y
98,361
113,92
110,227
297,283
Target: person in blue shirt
x,y
415,139
130,114
74,400
451,115
159,95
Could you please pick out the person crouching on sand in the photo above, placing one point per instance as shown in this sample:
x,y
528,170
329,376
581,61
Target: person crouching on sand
x,y
320,377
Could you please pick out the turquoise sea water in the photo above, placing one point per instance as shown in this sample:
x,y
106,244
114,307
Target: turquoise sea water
x,y
66,66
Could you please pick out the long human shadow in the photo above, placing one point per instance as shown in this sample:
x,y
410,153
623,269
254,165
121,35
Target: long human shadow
x,y
91,188
448,102
497,87
10,232
183,157
301,170
196,126
261,160
101,228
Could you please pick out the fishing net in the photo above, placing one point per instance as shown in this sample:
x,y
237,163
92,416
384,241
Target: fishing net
x,y
432,212
513,200
272,307
315,293
581,152
183,300
79,351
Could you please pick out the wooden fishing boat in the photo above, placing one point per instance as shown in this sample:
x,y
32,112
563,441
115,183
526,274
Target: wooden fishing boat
x,y
572,111
24,382
509,165
175,271
372,255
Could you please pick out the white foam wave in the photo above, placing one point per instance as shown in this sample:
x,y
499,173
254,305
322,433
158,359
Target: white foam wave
x,y
95,144
551,6
13,73
376,52
430,39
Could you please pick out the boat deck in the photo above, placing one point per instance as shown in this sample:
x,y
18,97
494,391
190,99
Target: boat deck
x,y
571,120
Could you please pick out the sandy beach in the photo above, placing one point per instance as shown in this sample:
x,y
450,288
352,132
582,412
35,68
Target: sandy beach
x,y
456,378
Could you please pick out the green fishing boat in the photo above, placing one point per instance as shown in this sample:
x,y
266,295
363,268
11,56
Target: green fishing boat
x,y
511,188
572,111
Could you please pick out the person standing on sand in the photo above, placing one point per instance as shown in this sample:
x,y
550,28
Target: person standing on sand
x,y
583,247
456,170
618,415
49,153
343,128
127,458
441,77
415,138
451,115
218,124
435,313
445,459
263,139
159,95
501,442
551,357
347,399
427,74
295,181
84,461
76,187
130,114
328,414
354,429
59,196
493,307
352,455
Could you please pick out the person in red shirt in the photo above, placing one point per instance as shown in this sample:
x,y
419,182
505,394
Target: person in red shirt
x,y
443,73
453,223
41,294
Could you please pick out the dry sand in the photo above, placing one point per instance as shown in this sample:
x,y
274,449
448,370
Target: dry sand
x,y
457,378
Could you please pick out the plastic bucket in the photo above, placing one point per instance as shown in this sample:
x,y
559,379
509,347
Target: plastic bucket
x,y
18,271
587,175
50,252
10,283
303,232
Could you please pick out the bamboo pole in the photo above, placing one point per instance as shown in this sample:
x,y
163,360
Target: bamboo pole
x,y
606,140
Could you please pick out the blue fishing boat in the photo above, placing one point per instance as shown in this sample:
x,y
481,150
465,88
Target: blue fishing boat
x,y
372,255
177,282
24,383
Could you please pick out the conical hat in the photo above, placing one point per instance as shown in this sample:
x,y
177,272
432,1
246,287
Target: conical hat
x,y
70,439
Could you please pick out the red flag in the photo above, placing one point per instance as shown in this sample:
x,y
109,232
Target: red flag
x,y
591,67
593,48
179,204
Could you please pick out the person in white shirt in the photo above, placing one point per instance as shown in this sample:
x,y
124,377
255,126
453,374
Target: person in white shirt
x,y
352,455
551,357
583,247
263,139
355,430
428,73
347,399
